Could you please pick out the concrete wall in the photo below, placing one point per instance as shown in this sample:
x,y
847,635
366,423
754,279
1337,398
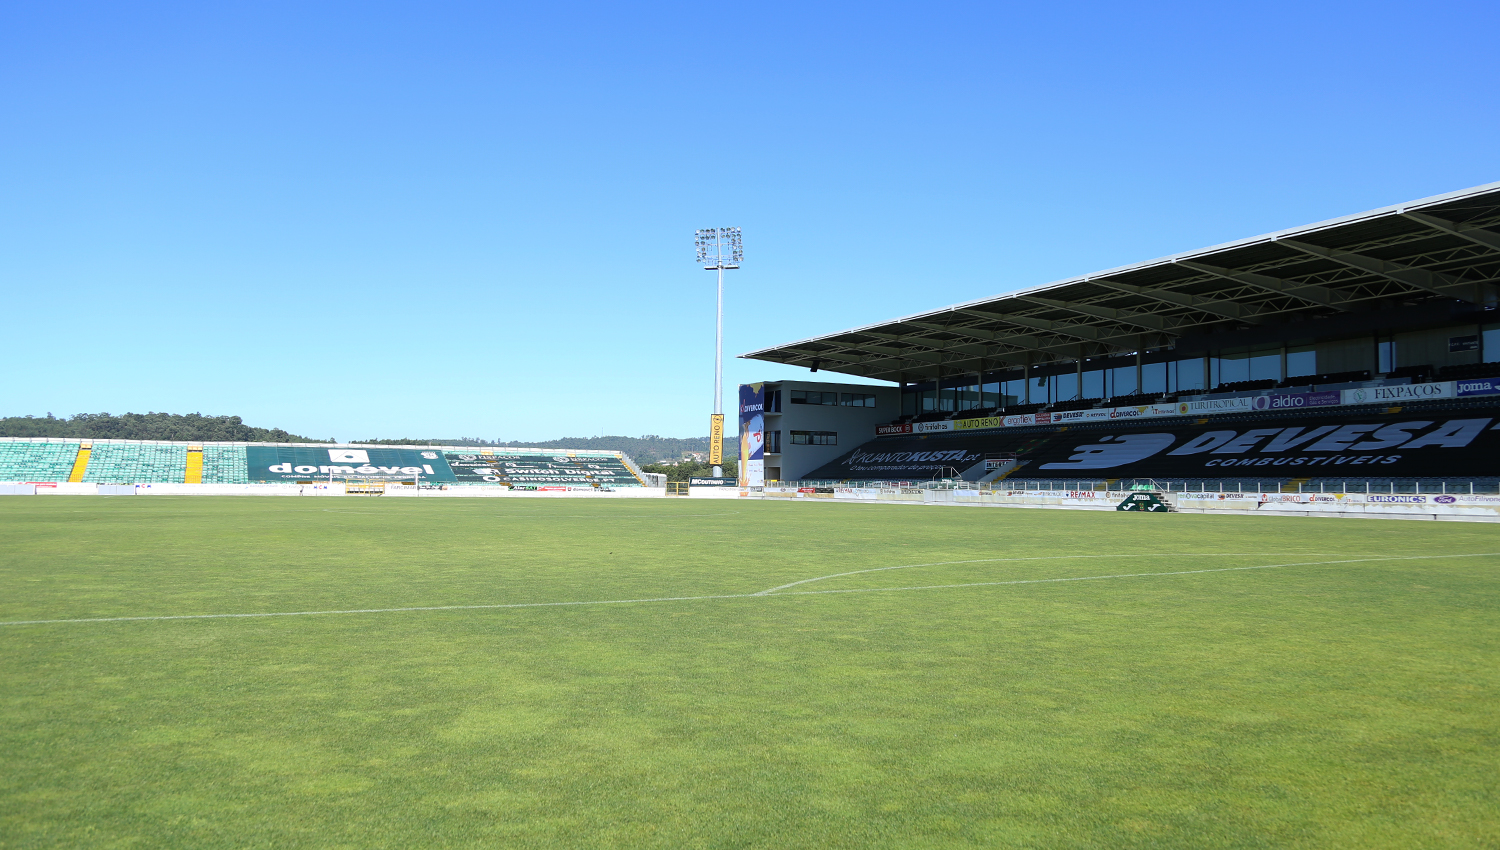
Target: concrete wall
x,y
854,425
1431,346
1346,355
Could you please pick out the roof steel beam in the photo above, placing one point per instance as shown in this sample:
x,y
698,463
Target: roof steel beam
x,y
1129,317
981,334
894,353
1427,281
798,354
1016,357
1060,328
1306,291
1477,235
1227,309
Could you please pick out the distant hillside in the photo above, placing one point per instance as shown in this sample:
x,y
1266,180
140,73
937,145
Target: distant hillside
x,y
195,426
146,426
647,449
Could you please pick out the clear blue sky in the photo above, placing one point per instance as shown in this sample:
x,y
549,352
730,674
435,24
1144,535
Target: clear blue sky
x,y
367,219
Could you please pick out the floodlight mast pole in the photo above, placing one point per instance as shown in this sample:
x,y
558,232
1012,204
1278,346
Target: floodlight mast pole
x,y
723,256
719,336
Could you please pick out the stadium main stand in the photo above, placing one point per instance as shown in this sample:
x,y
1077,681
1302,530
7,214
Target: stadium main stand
x,y
1376,320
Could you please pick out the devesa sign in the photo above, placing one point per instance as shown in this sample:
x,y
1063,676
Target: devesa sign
x,y
1426,446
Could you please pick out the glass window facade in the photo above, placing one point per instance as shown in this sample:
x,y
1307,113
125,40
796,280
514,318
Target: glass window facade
x,y
857,399
815,438
1302,360
1196,373
811,397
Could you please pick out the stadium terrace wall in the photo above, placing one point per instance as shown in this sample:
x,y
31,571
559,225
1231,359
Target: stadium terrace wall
x,y
1384,442
51,461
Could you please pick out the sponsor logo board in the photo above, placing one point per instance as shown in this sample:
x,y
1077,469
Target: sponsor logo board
x,y
1290,401
1422,444
1216,405
1482,386
979,424
305,463
1401,392
753,434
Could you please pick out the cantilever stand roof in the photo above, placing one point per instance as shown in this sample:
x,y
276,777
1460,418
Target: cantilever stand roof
x,y
1443,247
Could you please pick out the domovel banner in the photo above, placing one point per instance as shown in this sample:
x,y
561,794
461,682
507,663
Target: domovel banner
x,y
299,463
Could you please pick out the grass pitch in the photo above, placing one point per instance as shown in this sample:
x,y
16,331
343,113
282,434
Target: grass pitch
x,y
1340,702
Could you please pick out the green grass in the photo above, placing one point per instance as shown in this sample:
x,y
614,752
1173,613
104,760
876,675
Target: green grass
x,y
1331,705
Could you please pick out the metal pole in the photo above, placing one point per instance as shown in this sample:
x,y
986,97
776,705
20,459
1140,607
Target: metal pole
x,y
719,350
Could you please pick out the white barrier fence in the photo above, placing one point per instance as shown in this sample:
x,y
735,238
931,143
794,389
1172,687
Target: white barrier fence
x,y
1469,507
335,488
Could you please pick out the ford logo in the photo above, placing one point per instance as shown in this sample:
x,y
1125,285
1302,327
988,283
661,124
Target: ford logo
x,y
1444,500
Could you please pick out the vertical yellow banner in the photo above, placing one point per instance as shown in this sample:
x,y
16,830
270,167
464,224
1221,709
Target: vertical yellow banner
x,y
716,439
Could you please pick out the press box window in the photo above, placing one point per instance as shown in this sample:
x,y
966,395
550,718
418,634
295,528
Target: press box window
x,y
815,438
859,400
810,397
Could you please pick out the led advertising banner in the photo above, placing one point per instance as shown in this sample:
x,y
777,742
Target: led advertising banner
x,y
1448,443
310,463
753,434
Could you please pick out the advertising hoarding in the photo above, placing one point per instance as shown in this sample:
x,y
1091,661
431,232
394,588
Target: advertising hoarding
x,y
525,470
753,434
307,463
716,439
1380,445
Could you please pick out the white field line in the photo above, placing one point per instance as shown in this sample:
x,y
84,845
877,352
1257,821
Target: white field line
x,y
554,516
759,595
1043,558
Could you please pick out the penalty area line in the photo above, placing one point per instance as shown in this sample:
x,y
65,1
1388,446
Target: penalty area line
x,y
759,595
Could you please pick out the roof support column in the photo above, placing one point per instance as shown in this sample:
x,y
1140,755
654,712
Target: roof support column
x,y
1139,388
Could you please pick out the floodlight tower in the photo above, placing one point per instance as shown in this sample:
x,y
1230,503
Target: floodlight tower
x,y
719,248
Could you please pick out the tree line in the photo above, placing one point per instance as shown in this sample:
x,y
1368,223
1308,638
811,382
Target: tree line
x,y
195,427
649,448
693,469
147,426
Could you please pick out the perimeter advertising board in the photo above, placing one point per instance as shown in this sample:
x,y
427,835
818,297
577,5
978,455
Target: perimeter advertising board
x,y
1355,447
306,463
753,434
528,470
1437,444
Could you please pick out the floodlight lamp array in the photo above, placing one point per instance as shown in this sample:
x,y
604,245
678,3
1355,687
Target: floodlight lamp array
x,y
719,248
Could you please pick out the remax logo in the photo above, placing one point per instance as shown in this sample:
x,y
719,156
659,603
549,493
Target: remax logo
x,y
348,456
